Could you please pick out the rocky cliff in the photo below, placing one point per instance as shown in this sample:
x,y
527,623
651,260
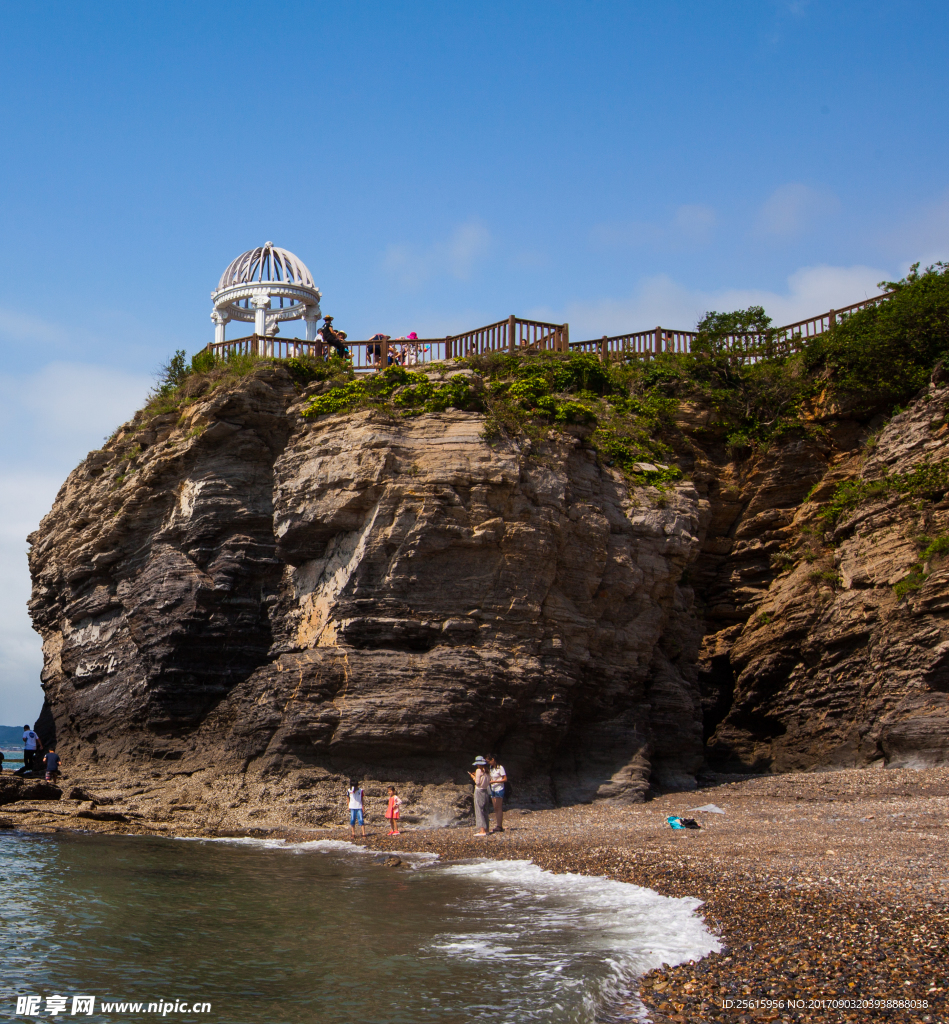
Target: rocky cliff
x,y
247,606
845,660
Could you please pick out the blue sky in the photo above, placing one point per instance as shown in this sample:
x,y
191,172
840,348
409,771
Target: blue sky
x,y
437,166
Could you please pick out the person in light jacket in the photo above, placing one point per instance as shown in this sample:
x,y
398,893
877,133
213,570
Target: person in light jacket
x,y
498,778
482,794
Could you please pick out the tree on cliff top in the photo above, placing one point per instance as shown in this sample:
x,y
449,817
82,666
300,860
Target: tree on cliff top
x,y
880,356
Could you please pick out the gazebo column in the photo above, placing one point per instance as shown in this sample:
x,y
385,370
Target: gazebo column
x,y
312,318
220,324
261,304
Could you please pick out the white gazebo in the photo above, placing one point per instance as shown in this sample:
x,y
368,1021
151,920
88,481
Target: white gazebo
x,y
253,285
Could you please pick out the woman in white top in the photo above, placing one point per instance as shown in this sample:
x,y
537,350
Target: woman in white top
x,y
498,778
356,793
482,794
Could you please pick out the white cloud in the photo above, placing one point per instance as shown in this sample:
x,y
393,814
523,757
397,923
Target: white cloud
x,y
49,418
793,209
925,235
690,226
15,326
24,499
63,410
664,302
457,256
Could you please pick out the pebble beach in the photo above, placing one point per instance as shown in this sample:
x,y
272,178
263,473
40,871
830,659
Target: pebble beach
x,y
828,890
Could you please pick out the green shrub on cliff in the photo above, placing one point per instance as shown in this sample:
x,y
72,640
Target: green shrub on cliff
x,y
307,370
179,383
879,357
928,481
624,419
874,360
407,392
932,549
171,375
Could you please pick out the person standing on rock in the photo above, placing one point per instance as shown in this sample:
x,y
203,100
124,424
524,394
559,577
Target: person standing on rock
x,y
482,783
356,816
498,780
52,765
31,744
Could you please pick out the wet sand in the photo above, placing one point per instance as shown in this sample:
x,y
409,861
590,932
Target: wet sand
x,y
828,887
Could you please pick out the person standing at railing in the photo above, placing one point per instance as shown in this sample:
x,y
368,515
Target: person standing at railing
x,y
375,348
411,350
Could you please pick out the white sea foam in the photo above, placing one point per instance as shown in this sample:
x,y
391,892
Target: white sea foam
x,y
339,846
612,909
561,919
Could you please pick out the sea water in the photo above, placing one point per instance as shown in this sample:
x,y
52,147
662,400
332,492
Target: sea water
x,y
270,932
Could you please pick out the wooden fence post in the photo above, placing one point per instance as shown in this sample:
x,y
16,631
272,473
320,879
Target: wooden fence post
x,y
254,346
510,333
658,340
384,362
603,343
565,338
832,319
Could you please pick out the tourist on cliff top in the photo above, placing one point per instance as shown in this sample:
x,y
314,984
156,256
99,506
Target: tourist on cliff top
x,y
52,765
482,781
498,780
333,338
414,352
355,808
392,812
375,347
31,744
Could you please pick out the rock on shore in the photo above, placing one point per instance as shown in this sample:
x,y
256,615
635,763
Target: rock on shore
x,y
272,604
302,601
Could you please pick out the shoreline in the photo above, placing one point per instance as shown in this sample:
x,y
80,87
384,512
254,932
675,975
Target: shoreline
x,y
826,886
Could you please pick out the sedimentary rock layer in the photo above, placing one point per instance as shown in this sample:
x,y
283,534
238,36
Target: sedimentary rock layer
x,y
368,594
293,602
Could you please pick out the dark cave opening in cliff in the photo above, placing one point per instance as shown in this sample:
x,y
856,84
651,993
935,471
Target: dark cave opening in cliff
x,y
717,687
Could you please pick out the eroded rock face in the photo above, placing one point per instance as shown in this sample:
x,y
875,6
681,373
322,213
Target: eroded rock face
x,y
292,600
268,606
833,669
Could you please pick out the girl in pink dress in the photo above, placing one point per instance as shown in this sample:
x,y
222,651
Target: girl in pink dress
x,y
392,812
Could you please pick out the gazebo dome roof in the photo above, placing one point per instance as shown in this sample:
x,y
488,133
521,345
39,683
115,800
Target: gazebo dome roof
x,y
266,263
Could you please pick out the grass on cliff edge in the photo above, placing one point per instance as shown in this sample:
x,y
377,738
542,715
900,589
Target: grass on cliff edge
x,y
180,382
524,396
874,360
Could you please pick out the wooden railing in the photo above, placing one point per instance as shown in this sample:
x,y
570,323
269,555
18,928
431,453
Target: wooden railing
x,y
513,334
517,335
644,344
364,355
780,341
508,336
